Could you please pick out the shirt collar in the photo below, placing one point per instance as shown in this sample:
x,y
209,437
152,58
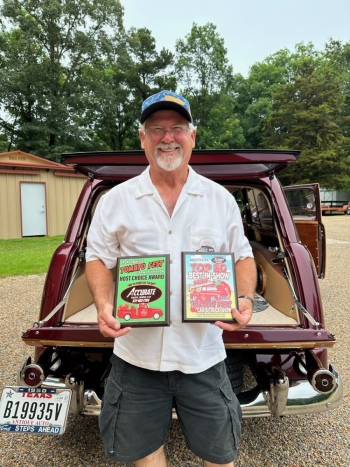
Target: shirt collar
x,y
144,185
193,185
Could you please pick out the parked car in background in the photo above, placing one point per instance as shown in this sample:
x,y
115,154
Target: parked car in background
x,y
278,364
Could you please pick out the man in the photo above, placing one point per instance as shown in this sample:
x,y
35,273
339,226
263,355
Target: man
x,y
168,209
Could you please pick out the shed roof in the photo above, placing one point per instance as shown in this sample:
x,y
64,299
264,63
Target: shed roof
x,y
24,159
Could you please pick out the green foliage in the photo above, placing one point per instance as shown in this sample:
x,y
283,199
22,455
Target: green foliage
x,y
201,61
306,113
131,71
72,79
3,143
254,95
206,77
23,256
42,58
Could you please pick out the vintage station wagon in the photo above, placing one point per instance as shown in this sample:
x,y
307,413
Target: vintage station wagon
x,y
278,364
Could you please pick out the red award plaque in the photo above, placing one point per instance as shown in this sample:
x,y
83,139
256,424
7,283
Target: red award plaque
x,y
209,286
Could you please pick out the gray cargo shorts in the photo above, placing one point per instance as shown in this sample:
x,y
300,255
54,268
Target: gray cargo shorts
x,y
137,412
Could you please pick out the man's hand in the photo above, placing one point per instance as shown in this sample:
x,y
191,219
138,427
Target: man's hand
x,y
109,326
100,280
242,316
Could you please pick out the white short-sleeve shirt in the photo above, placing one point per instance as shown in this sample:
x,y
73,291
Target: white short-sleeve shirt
x,y
131,220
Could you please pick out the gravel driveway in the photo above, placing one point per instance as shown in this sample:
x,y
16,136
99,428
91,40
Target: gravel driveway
x,y
300,441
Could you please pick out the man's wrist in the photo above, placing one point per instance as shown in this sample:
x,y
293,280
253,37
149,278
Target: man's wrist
x,y
247,297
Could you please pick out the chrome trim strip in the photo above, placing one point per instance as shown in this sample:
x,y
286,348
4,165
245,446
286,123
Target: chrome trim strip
x,y
228,345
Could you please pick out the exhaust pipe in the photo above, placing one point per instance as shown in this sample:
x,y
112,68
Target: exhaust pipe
x,y
34,374
321,379
31,374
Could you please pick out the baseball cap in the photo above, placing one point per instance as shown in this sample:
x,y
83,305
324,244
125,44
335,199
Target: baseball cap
x,y
165,100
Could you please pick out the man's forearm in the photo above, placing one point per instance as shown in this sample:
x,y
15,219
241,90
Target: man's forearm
x,y
246,277
246,284
100,281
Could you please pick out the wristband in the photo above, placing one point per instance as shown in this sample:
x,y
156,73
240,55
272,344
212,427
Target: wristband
x,y
248,298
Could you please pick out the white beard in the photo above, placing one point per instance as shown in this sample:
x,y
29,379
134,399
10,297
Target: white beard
x,y
168,162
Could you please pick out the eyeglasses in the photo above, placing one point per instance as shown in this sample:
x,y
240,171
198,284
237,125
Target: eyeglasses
x,y
159,131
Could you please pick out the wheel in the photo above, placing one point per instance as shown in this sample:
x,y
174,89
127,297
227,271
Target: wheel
x,y
234,368
156,316
127,316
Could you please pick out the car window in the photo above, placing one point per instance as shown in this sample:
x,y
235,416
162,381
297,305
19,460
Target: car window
x,y
302,203
260,208
238,195
257,205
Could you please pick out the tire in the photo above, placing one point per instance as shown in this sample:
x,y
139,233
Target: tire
x,y
127,316
234,368
156,316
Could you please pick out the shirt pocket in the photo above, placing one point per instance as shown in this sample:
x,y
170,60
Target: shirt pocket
x,y
206,239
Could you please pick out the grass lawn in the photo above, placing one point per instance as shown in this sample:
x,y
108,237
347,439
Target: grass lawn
x,y
23,256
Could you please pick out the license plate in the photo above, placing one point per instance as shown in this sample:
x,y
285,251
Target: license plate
x,y
40,411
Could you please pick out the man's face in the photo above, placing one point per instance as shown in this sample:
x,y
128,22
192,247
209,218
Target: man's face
x,y
171,149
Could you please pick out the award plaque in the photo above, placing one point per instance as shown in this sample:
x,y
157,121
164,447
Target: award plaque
x,y
142,291
208,286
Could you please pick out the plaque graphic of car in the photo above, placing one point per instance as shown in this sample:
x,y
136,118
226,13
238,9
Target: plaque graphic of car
x,y
142,310
211,292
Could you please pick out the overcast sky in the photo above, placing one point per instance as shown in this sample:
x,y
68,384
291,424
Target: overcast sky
x,y
251,29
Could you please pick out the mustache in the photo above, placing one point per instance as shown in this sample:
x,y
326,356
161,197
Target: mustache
x,y
165,146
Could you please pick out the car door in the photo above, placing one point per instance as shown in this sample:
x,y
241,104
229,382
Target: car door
x,y
305,205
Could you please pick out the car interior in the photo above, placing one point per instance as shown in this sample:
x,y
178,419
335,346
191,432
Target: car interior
x,y
274,302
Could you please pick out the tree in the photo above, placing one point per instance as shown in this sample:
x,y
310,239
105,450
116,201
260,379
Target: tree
x,y
131,71
205,77
254,94
147,71
338,55
306,115
42,58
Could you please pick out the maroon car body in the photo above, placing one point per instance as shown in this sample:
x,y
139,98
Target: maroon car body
x,y
283,349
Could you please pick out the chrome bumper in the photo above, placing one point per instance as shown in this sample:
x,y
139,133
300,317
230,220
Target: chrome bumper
x,y
299,398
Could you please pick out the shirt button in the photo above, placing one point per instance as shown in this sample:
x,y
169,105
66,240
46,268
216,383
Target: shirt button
x,y
170,232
